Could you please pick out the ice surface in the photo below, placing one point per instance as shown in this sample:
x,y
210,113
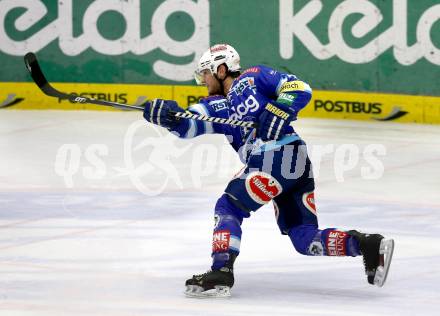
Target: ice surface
x,y
96,243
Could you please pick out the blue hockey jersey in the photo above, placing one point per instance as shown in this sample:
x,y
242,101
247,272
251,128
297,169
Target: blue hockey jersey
x,y
247,97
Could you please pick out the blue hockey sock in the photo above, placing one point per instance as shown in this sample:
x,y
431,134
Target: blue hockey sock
x,y
311,241
227,233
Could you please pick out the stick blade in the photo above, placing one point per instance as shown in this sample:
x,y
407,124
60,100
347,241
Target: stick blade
x,y
34,69
37,75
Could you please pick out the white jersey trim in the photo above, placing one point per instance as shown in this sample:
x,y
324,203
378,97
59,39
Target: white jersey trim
x,y
192,131
201,109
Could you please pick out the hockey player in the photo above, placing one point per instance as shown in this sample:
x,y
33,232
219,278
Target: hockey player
x,y
277,168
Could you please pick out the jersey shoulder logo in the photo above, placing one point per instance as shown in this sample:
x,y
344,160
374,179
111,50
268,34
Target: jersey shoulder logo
x,y
242,84
292,86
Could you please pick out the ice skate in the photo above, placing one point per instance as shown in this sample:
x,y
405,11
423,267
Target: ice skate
x,y
217,283
377,253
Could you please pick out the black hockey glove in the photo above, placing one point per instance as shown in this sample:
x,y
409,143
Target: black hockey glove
x,y
158,112
274,120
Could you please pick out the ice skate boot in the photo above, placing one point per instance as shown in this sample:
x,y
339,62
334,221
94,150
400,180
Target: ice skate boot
x,y
214,283
377,253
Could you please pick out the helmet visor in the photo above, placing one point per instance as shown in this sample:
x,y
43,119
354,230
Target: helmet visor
x,y
200,75
200,78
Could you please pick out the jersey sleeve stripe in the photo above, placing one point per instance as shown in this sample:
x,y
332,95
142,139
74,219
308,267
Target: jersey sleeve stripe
x,y
279,129
271,126
201,109
192,131
158,112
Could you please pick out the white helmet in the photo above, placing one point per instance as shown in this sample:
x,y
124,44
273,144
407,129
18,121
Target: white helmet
x,y
217,55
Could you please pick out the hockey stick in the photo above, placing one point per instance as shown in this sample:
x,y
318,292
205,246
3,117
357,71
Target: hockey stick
x,y
37,75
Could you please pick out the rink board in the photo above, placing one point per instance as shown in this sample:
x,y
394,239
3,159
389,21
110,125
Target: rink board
x,y
325,104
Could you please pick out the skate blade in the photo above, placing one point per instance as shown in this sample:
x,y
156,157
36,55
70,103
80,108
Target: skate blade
x,y
219,291
386,251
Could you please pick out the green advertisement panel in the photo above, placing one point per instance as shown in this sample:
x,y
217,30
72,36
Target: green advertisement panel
x,y
359,45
